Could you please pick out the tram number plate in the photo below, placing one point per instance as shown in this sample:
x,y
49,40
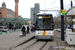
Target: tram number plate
x,y
44,33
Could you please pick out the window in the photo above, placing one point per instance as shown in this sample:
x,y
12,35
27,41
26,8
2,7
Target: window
x,y
8,15
44,23
12,15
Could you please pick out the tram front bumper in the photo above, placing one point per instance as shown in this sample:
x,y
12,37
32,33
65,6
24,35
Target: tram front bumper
x,y
44,37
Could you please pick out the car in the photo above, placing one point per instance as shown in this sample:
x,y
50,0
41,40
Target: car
x,y
3,28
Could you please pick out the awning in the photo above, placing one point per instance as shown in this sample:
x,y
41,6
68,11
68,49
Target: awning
x,y
70,12
14,20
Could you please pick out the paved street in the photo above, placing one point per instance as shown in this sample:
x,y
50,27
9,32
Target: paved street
x,y
11,39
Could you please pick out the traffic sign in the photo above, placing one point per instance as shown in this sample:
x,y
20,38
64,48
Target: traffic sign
x,y
62,11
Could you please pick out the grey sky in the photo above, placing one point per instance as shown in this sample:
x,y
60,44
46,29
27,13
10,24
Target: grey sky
x,y
25,5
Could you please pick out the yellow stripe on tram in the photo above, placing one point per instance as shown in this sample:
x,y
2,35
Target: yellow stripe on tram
x,y
44,33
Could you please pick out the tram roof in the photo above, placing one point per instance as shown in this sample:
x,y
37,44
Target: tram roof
x,y
44,14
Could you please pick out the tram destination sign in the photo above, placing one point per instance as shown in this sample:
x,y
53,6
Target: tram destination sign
x,y
40,17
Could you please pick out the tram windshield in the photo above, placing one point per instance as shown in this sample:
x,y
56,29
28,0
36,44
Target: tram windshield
x,y
44,23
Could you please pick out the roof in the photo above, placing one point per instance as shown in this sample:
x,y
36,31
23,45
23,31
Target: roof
x,y
14,20
3,4
10,10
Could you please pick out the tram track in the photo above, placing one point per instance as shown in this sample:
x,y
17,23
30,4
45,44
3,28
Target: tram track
x,y
34,44
43,45
48,45
58,32
27,41
38,45
30,45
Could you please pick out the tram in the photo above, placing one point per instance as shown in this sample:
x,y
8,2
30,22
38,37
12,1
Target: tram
x,y
44,26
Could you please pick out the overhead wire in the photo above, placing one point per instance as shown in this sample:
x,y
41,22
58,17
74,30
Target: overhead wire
x,y
57,7
53,3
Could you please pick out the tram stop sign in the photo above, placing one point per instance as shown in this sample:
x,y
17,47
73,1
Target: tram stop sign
x,y
62,12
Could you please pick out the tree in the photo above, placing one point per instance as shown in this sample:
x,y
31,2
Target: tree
x,y
57,21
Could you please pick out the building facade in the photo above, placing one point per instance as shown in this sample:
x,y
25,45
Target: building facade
x,y
7,13
32,13
36,10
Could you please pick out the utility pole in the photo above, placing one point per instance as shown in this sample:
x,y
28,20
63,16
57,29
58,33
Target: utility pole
x,y
71,3
71,17
62,21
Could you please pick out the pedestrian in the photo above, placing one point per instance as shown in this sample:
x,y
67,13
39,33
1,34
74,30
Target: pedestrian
x,y
33,28
12,29
28,30
23,30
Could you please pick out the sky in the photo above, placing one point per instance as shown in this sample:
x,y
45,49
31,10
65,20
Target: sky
x,y
25,5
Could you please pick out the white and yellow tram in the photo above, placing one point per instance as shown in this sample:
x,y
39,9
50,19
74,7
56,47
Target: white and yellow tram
x,y
44,26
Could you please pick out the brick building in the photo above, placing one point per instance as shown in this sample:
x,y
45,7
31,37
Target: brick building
x,y
7,13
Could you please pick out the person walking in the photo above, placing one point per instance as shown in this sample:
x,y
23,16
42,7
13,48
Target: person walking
x,y
23,31
28,30
33,28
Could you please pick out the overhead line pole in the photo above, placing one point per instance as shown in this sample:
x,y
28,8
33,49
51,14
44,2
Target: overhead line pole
x,y
71,17
62,21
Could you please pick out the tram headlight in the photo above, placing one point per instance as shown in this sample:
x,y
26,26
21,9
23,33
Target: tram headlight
x,y
52,32
49,33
